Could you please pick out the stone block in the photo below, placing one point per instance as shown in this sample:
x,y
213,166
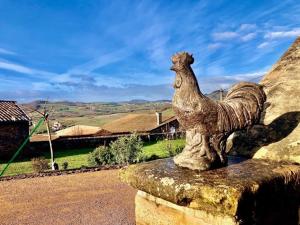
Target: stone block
x,y
250,192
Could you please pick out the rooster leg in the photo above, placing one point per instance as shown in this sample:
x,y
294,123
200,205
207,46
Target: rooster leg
x,y
222,152
206,150
197,152
218,143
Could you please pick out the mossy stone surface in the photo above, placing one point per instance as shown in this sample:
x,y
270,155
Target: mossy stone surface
x,y
236,190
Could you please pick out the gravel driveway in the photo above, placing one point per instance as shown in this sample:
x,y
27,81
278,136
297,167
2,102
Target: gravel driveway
x,y
86,198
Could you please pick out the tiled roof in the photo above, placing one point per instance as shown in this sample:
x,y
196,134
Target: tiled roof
x,y
82,130
11,112
136,123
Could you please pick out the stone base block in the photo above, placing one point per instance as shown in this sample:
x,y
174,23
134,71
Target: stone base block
x,y
251,192
150,210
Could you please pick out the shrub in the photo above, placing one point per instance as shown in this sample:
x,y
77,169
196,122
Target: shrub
x,y
65,165
101,156
178,149
127,149
152,157
172,151
40,164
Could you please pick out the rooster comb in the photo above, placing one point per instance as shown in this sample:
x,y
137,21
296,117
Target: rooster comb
x,y
183,57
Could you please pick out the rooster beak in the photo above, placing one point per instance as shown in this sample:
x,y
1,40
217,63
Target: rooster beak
x,y
172,68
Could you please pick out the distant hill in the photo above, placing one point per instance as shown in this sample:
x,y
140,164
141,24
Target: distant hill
x,y
136,101
97,113
40,103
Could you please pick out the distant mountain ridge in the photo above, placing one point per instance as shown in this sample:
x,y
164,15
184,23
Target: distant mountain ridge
x,y
213,95
98,113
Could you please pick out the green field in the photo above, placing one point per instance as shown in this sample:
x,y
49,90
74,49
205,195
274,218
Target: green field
x,y
77,158
93,114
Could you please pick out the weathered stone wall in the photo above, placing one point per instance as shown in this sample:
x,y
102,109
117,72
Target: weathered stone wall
x,y
12,136
278,136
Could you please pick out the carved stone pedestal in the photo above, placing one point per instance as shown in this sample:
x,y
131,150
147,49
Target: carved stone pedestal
x,y
249,192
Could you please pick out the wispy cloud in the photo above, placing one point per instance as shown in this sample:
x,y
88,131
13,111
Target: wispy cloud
x,y
40,74
16,68
283,34
244,33
100,61
114,54
248,37
212,83
214,46
264,44
6,52
227,35
247,26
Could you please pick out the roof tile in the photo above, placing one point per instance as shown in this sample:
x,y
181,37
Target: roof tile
x,y
11,112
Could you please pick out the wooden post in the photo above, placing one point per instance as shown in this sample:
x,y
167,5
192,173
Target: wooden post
x,y
50,142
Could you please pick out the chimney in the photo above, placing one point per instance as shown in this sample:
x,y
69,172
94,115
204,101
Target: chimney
x,y
221,94
158,118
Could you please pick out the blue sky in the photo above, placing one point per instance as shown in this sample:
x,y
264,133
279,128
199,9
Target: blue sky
x,y
120,50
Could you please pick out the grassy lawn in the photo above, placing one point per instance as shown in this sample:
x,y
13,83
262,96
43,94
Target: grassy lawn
x,y
75,158
160,148
78,157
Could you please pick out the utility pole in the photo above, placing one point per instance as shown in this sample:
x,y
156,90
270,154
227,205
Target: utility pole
x,y
45,114
50,141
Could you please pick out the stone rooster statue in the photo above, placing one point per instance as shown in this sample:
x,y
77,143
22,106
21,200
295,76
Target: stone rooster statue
x,y
208,123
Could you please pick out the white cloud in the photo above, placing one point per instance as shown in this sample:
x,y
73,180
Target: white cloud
x,y
244,33
212,83
247,26
6,52
263,45
248,37
41,86
16,68
26,70
214,46
245,76
283,34
227,35
100,61
157,50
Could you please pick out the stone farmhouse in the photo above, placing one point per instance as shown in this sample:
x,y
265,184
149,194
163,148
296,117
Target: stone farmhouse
x,y
14,128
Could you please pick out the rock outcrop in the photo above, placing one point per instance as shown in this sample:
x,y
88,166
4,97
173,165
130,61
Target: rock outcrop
x,y
279,136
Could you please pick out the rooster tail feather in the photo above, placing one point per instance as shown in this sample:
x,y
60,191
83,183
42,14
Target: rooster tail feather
x,y
243,105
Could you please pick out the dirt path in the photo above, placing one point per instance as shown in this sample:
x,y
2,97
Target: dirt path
x,y
86,198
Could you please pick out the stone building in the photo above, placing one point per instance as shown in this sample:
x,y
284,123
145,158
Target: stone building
x,y
14,128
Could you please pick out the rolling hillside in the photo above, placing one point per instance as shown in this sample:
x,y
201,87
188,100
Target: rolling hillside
x,y
96,114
